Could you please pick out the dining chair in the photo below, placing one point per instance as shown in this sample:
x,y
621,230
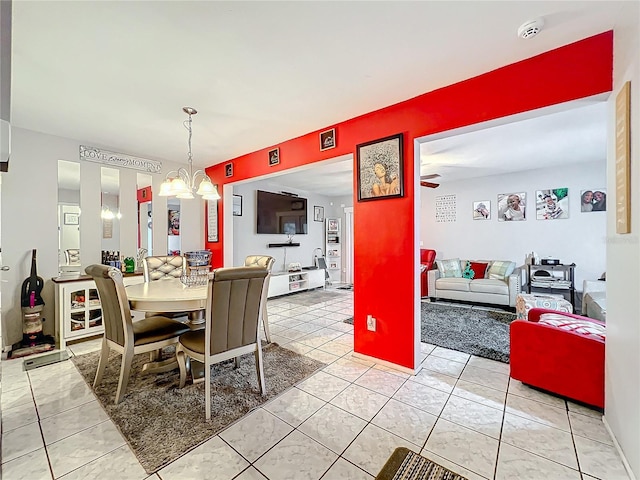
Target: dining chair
x,y
163,268
264,261
126,337
232,316
72,256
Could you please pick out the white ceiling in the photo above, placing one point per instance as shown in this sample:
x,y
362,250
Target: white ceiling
x,y
117,74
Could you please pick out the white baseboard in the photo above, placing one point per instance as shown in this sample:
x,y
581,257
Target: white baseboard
x,y
394,366
627,467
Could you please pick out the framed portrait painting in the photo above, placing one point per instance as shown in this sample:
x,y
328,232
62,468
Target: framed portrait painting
x,y
228,170
380,169
552,204
511,207
593,200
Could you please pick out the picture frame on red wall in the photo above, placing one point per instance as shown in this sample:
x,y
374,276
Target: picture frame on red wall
x,y
380,168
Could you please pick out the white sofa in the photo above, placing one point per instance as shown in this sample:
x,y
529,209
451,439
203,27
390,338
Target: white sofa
x,y
479,290
594,299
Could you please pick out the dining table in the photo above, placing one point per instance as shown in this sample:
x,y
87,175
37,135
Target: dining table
x,y
171,295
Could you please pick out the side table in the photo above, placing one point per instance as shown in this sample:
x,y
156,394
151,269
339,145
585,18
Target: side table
x,y
527,301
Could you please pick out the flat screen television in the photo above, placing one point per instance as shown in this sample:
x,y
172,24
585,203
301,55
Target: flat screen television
x,y
279,213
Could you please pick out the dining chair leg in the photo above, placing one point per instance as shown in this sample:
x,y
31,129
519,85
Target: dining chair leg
x,y
237,363
207,389
182,363
125,370
102,363
265,323
260,369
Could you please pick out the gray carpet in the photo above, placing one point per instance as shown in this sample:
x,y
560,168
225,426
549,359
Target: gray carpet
x,y
484,333
161,422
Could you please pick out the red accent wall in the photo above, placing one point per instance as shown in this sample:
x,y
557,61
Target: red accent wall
x,y
384,230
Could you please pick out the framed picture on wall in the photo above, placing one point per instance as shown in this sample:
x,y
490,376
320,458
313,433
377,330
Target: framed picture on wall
x,y
237,205
511,207
228,170
71,219
318,214
328,139
482,210
552,204
593,200
274,157
380,169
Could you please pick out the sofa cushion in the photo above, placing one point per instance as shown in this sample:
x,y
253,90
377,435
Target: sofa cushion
x,y
449,268
479,269
500,270
488,285
453,283
583,327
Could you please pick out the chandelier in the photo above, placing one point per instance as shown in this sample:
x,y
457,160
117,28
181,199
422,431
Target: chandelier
x,y
182,183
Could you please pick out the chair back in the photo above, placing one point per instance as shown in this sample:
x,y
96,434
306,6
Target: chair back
x,y
162,267
72,256
116,315
264,261
234,307
427,257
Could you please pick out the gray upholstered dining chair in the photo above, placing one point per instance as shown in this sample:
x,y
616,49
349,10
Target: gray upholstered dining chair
x,y
264,261
161,268
233,311
126,337
72,256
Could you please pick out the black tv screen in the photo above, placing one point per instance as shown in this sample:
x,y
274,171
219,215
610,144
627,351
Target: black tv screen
x,y
278,213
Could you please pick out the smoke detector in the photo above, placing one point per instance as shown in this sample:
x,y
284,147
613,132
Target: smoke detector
x,y
531,28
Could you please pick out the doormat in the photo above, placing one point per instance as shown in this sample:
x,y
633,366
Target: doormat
x,y
403,464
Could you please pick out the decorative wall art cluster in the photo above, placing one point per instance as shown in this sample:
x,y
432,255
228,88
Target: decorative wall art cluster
x,y
446,208
550,204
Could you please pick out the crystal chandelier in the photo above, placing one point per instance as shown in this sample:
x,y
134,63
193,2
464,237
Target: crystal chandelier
x,y
182,183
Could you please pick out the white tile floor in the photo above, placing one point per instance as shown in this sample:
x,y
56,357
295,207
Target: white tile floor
x,y
342,423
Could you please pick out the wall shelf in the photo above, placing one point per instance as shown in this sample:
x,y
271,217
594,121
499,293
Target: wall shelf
x,y
286,244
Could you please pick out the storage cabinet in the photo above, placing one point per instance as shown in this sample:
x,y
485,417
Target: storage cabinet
x,y
283,283
78,310
333,248
552,279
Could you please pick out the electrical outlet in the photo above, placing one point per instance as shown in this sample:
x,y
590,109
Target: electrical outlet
x,y
371,323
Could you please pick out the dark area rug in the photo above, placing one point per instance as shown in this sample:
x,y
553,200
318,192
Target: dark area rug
x,y
161,422
484,333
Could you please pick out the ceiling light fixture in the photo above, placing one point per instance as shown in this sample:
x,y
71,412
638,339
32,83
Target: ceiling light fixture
x,y
182,183
531,28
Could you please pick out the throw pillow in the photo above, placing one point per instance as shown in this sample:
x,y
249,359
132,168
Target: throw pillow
x,y
583,327
449,268
479,269
468,271
501,270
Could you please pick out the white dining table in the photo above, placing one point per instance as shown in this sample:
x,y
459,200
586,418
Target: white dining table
x,y
171,295
168,295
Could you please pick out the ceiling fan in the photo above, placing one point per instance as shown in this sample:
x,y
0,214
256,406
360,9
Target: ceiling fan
x,y
429,177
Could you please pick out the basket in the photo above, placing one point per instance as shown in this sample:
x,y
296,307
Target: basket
x,y
198,258
195,279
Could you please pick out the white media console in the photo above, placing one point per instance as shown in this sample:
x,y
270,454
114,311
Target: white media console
x,y
288,282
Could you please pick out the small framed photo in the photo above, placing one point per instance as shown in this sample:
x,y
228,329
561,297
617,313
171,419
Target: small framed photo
x,y
318,214
228,170
332,225
511,207
71,219
274,157
482,210
552,204
328,139
237,205
380,169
